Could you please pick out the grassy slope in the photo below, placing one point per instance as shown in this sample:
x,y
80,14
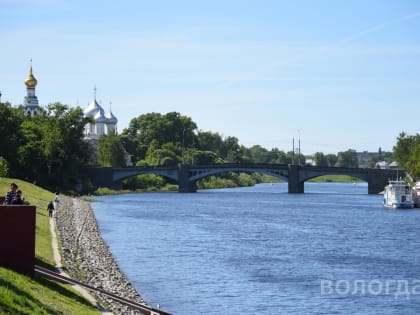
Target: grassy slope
x,y
20,294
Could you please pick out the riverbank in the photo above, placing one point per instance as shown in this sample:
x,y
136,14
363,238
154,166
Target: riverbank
x,y
240,180
87,257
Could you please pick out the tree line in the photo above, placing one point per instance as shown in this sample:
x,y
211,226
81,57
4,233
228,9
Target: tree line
x,y
49,149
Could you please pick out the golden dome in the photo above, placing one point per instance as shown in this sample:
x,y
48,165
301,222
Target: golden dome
x,y
30,80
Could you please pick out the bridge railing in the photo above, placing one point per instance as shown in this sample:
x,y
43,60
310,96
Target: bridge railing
x,y
238,165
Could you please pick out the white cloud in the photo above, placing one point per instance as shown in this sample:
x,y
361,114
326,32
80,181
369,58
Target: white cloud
x,y
410,16
362,33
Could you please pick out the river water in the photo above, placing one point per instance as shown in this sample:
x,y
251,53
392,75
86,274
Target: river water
x,y
260,250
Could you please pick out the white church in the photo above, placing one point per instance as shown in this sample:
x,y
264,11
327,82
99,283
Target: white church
x,y
102,123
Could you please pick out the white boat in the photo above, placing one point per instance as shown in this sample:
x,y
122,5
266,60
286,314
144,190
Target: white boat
x,y
398,195
416,195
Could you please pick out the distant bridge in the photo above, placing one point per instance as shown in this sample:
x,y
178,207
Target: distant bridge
x,y
187,175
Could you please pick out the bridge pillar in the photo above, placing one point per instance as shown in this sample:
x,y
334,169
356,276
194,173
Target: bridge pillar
x,y
100,176
103,177
184,185
378,179
296,186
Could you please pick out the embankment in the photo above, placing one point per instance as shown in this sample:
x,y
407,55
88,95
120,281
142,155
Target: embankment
x,y
86,255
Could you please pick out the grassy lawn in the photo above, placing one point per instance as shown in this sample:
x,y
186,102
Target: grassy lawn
x,y
20,294
336,178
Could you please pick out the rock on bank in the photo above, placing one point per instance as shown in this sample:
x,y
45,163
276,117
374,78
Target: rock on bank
x,y
86,255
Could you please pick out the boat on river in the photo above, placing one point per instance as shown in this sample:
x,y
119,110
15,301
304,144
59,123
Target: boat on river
x,y
416,195
398,195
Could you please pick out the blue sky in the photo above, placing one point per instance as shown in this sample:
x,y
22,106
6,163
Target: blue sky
x,y
337,74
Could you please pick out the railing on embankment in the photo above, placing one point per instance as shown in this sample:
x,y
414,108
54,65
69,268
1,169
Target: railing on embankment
x,y
142,308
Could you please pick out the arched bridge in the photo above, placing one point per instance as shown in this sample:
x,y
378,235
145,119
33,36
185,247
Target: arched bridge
x,y
187,175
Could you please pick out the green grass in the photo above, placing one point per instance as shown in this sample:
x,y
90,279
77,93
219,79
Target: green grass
x,y
38,197
108,191
336,178
20,294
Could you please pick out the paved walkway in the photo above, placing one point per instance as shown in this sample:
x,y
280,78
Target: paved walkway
x,y
59,266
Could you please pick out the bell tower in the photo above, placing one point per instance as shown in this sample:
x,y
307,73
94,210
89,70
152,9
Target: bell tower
x,y
31,101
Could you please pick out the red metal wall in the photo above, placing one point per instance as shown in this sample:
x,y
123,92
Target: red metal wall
x,y
17,237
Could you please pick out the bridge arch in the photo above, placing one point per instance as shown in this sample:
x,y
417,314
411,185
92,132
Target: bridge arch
x,y
362,177
207,173
119,176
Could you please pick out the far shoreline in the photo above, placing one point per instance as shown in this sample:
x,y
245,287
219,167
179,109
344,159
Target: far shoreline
x,y
102,191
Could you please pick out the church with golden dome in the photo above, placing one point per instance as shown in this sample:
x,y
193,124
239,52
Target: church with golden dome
x,y
102,123
31,101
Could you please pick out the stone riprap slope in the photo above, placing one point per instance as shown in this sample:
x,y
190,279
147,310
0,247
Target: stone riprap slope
x,y
86,255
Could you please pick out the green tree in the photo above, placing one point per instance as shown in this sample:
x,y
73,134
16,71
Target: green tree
x,y
209,141
66,151
281,157
348,158
231,150
331,159
11,138
111,151
199,157
52,151
404,149
162,155
413,163
320,159
258,154
30,156
4,169
162,129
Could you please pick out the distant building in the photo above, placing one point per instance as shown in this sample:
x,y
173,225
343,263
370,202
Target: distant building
x,y
30,101
364,157
102,124
382,165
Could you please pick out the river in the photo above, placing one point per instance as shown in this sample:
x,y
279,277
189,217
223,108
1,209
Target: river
x,y
260,250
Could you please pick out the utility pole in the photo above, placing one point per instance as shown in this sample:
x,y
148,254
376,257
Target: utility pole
x,y
299,151
299,145
293,151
